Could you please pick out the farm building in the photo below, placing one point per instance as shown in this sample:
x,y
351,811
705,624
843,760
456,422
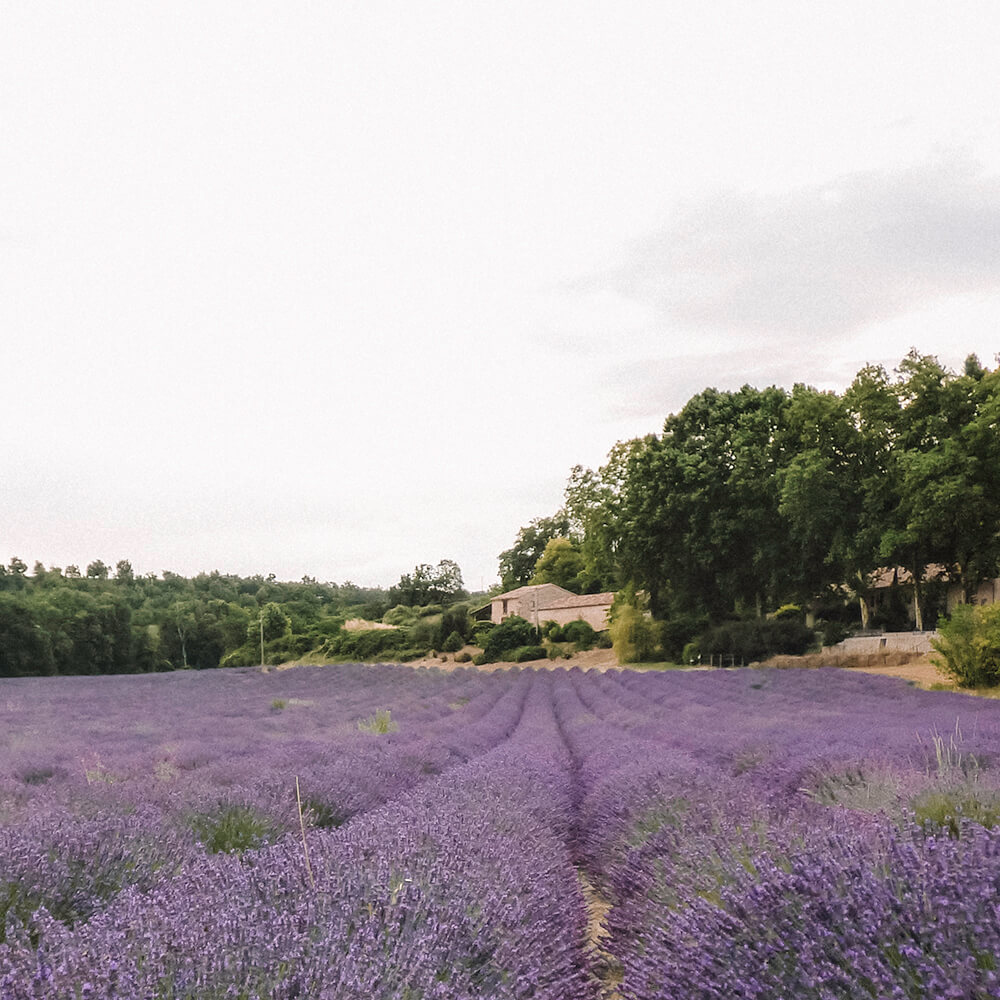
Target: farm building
x,y
547,602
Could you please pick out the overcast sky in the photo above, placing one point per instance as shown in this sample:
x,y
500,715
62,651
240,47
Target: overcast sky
x,y
335,289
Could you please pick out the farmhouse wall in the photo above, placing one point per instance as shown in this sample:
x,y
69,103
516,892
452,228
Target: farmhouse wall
x,y
526,601
591,608
988,592
547,602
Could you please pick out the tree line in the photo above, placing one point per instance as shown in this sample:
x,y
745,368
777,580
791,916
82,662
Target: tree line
x,y
754,499
111,620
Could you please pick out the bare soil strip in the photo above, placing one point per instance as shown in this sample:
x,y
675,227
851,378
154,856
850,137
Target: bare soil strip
x,y
605,965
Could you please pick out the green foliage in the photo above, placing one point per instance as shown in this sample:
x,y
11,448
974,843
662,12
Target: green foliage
x,y
379,723
634,635
789,612
579,632
480,630
748,641
455,620
233,829
479,659
441,584
678,632
452,643
401,614
463,657
561,563
510,634
946,809
517,564
691,653
525,654
833,632
369,644
969,645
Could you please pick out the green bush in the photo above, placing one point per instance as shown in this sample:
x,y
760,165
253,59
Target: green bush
x,y
400,615
463,657
633,635
579,632
756,640
512,633
233,829
603,640
452,643
969,645
480,630
691,653
552,631
945,809
833,632
679,630
789,612
479,659
381,722
528,653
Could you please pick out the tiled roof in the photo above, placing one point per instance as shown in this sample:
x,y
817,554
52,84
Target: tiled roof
x,y
580,601
521,591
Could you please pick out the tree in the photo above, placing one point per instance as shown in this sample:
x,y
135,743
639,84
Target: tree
x,y
593,506
25,647
276,623
97,570
441,584
561,563
701,526
969,645
517,564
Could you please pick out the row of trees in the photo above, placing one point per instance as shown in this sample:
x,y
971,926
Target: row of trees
x,y
752,499
104,620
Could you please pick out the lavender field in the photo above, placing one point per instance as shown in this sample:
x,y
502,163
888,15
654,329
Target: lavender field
x,y
358,831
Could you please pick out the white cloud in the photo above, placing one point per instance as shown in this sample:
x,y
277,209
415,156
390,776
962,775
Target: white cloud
x,y
824,260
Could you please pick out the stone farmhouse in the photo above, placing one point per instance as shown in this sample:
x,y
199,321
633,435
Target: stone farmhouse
x,y
547,602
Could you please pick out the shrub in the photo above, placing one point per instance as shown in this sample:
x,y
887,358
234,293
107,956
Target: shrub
x,y
756,640
679,630
527,653
633,635
789,612
399,615
579,632
511,633
552,631
480,630
969,645
691,653
454,621
233,829
603,640
479,659
833,632
463,657
453,643
380,722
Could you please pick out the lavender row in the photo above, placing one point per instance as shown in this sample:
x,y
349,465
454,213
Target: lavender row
x,y
770,857
74,843
463,888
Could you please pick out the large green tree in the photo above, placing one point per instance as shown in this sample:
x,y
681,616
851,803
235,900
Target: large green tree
x,y
517,564
701,527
